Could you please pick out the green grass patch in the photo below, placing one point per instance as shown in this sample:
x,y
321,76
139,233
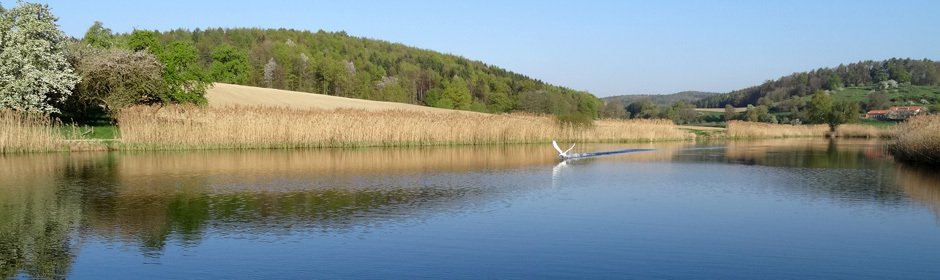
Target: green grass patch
x,y
901,96
877,123
101,132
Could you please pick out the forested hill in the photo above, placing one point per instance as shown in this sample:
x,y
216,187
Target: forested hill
x,y
661,100
335,63
860,74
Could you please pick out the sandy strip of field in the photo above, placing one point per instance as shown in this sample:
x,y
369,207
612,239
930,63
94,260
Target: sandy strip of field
x,y
225,95
705,128
720,110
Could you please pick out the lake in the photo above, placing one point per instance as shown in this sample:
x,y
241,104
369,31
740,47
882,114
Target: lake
x,y
761,209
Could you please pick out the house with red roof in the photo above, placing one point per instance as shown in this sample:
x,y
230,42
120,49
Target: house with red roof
x,y
895,113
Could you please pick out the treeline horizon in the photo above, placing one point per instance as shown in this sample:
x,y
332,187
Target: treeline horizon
x,y
335,63
868,73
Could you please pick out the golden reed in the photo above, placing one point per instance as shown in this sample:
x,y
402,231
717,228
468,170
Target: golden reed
x,y
742,129
26,132
918,140
188,127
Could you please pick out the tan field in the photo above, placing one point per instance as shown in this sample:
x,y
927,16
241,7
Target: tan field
x,y
228,95
721,110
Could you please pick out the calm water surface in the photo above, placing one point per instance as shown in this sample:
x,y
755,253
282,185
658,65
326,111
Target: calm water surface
x,y
769,209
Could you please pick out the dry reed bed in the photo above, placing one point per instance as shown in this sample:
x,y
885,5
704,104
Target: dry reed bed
x,y
864,131
742,129
918,140
187,127
23,132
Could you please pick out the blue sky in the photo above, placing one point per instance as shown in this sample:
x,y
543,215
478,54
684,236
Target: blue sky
x,y
605,47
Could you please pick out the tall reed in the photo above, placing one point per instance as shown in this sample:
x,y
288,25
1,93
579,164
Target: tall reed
x,y
187,127
918,140
28,132
864,131
742,129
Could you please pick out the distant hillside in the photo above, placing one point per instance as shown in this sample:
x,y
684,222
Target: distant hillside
x,y
337,64
662,100
893,76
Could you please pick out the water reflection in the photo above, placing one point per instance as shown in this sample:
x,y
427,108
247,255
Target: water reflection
x,y
50,202
922,184
810,153
852,171
150,198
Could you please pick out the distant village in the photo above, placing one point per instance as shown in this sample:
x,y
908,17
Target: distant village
x,y
895,113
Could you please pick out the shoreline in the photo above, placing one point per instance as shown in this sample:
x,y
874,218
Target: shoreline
x,y
180,128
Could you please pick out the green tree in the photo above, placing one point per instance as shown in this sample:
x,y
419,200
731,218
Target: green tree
x,y
144,40
819,107
456,95
681,112
185,80
499,101
877,100
897,72
614,110
643,109
588,105
834,82
730,112
751,114
98,36
34,72
229,65
113,79
823,110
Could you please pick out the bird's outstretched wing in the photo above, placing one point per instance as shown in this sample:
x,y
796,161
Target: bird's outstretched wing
x,y
555,144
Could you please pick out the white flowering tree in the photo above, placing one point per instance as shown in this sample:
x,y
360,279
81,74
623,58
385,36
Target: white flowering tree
x,y
269,69
34,72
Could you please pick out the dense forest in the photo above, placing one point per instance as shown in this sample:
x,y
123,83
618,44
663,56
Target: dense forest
x,y
873,74
661,99
335,63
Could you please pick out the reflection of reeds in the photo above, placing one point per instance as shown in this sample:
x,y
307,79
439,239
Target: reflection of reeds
x,y
742,129
174,127
918,140
921,185
221,169
24,132
758,150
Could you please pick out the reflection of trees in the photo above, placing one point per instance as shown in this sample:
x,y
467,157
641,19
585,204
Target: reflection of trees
x,y
37,217
808,153
845,169
151,199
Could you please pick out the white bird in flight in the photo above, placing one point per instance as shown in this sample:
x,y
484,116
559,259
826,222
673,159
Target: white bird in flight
x,y
563,154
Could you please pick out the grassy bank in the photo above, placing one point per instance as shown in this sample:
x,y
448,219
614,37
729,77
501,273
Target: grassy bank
x,y
744,130
191,127
918,140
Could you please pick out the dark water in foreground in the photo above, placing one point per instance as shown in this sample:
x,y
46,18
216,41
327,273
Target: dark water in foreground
x,y
752,210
